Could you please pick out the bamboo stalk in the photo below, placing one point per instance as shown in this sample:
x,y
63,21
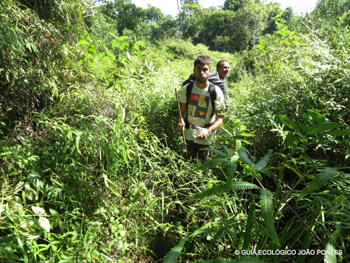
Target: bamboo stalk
x,y
183,130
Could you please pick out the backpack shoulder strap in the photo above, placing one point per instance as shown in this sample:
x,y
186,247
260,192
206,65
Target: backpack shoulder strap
x,y
188,91
188,95
212,93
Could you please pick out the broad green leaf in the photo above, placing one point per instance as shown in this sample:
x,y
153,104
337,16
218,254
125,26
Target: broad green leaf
x,y
123,45
141,44
137,53
102,55
236,124
316,116
18,187
302,126
122,38
289,123
38,210
44,223
242,128
92,49
246,134
266,203
24,224
36,180
81,62
339,133
114,43
15,204
174,253
319,128
291,140
31,194
82,42
53,211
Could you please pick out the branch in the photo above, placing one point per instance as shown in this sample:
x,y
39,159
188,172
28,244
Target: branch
x,y
92,7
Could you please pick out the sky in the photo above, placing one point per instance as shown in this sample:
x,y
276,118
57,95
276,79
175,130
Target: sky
x,y
169,7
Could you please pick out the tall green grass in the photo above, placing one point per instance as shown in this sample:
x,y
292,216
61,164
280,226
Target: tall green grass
x,y
99,175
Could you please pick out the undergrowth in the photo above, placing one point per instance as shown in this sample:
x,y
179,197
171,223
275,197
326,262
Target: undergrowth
x,y
92,166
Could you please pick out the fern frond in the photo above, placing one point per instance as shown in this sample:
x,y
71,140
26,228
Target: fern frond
x,y
330,256
263,161
217,152
221,188
242,185
213,226
319,181
231,170
242,153
174,253
211,163
267,213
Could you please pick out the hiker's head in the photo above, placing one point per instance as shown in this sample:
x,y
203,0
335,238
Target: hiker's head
x,y
223,68
202,68
203,59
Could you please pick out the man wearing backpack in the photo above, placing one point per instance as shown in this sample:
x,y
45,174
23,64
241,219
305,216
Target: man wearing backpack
x,y
216,77
202,106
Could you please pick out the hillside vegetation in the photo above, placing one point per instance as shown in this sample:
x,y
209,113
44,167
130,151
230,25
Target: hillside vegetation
x,y
92,166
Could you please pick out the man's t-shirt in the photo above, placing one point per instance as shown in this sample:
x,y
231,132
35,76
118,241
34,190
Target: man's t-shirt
x,y
200,110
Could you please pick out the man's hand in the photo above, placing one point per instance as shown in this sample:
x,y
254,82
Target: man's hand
x,y
181,126
204,133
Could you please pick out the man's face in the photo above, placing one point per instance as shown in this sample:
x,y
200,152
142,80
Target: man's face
x,y
202,72
224,71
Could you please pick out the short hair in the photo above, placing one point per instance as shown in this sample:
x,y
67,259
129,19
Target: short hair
x,y
202,59
219,65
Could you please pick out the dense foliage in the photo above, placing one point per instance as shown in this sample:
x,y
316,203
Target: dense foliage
x,y
91,163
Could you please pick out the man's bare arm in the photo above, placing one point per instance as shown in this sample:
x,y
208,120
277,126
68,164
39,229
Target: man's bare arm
x,y
181,121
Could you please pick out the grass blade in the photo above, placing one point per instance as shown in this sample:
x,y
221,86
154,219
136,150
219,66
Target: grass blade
x,y
248,229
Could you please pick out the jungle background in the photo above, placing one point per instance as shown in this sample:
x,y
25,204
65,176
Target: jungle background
x,y
91,162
